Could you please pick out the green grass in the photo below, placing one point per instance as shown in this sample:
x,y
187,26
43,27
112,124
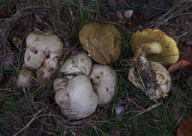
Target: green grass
x,y
17,107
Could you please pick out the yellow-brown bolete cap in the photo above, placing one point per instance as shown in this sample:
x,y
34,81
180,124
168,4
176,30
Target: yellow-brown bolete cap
x,y
101,41
158,46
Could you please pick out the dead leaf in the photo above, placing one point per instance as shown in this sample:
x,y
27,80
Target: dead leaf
x,y
128,13
181,63
16,40
116,133
185,128
179,132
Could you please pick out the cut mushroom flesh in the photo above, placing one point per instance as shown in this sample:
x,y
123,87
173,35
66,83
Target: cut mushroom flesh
x,y
156,87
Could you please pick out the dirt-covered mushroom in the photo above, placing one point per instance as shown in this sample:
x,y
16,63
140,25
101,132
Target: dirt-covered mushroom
x,y
24,78
77,64
43,50
162,77
156,45
104,82
102,41
77,100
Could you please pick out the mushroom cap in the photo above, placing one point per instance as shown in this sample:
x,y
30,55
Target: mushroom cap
x,y
43,49
39,47
163,79
102,41
104,82
24,79
170,52
77,64
77,100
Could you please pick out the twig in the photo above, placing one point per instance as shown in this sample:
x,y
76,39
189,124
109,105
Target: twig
x,y
148,109
28,124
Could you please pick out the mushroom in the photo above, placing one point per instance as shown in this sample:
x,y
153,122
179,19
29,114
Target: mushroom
x,y
157,46
77,64
43,50
104,82
24,78
102,41
74,65
77,100
162,77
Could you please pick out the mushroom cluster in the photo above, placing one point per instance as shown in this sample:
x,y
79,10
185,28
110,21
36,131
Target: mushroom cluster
x,y
82,86
153,49
43,50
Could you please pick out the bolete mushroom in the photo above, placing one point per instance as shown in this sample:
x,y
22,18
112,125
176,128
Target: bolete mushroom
x,y
43,50
101,41
77,100
104,82
162,77
157,46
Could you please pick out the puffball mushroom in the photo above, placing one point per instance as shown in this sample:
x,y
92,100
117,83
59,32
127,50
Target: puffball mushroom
x,y
74,65
101,41
163,81
77,100
24,78
43,49
104,82
43,52
77,64
157,46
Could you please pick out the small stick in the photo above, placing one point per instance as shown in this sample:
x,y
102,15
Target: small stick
x,y
148,109
28,124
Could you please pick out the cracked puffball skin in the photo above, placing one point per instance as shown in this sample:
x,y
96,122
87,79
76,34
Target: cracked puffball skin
x,y
101,41
43,50
162,77
80,86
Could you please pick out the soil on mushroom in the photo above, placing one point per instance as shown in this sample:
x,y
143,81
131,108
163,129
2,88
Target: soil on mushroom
x,y
33,111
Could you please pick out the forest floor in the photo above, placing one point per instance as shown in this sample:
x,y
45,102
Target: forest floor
x,y
32,112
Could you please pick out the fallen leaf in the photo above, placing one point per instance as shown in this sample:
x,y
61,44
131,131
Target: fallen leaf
x,y
185,128
116,133
128,13
16,40
179,132
181,63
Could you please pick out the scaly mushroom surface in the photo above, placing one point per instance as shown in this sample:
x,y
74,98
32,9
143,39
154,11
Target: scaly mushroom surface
x,y
154,90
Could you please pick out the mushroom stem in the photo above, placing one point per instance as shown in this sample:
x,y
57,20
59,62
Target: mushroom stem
x,y
147,48
143,68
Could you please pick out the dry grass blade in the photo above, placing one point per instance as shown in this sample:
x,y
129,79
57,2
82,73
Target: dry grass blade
x,y
28,124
